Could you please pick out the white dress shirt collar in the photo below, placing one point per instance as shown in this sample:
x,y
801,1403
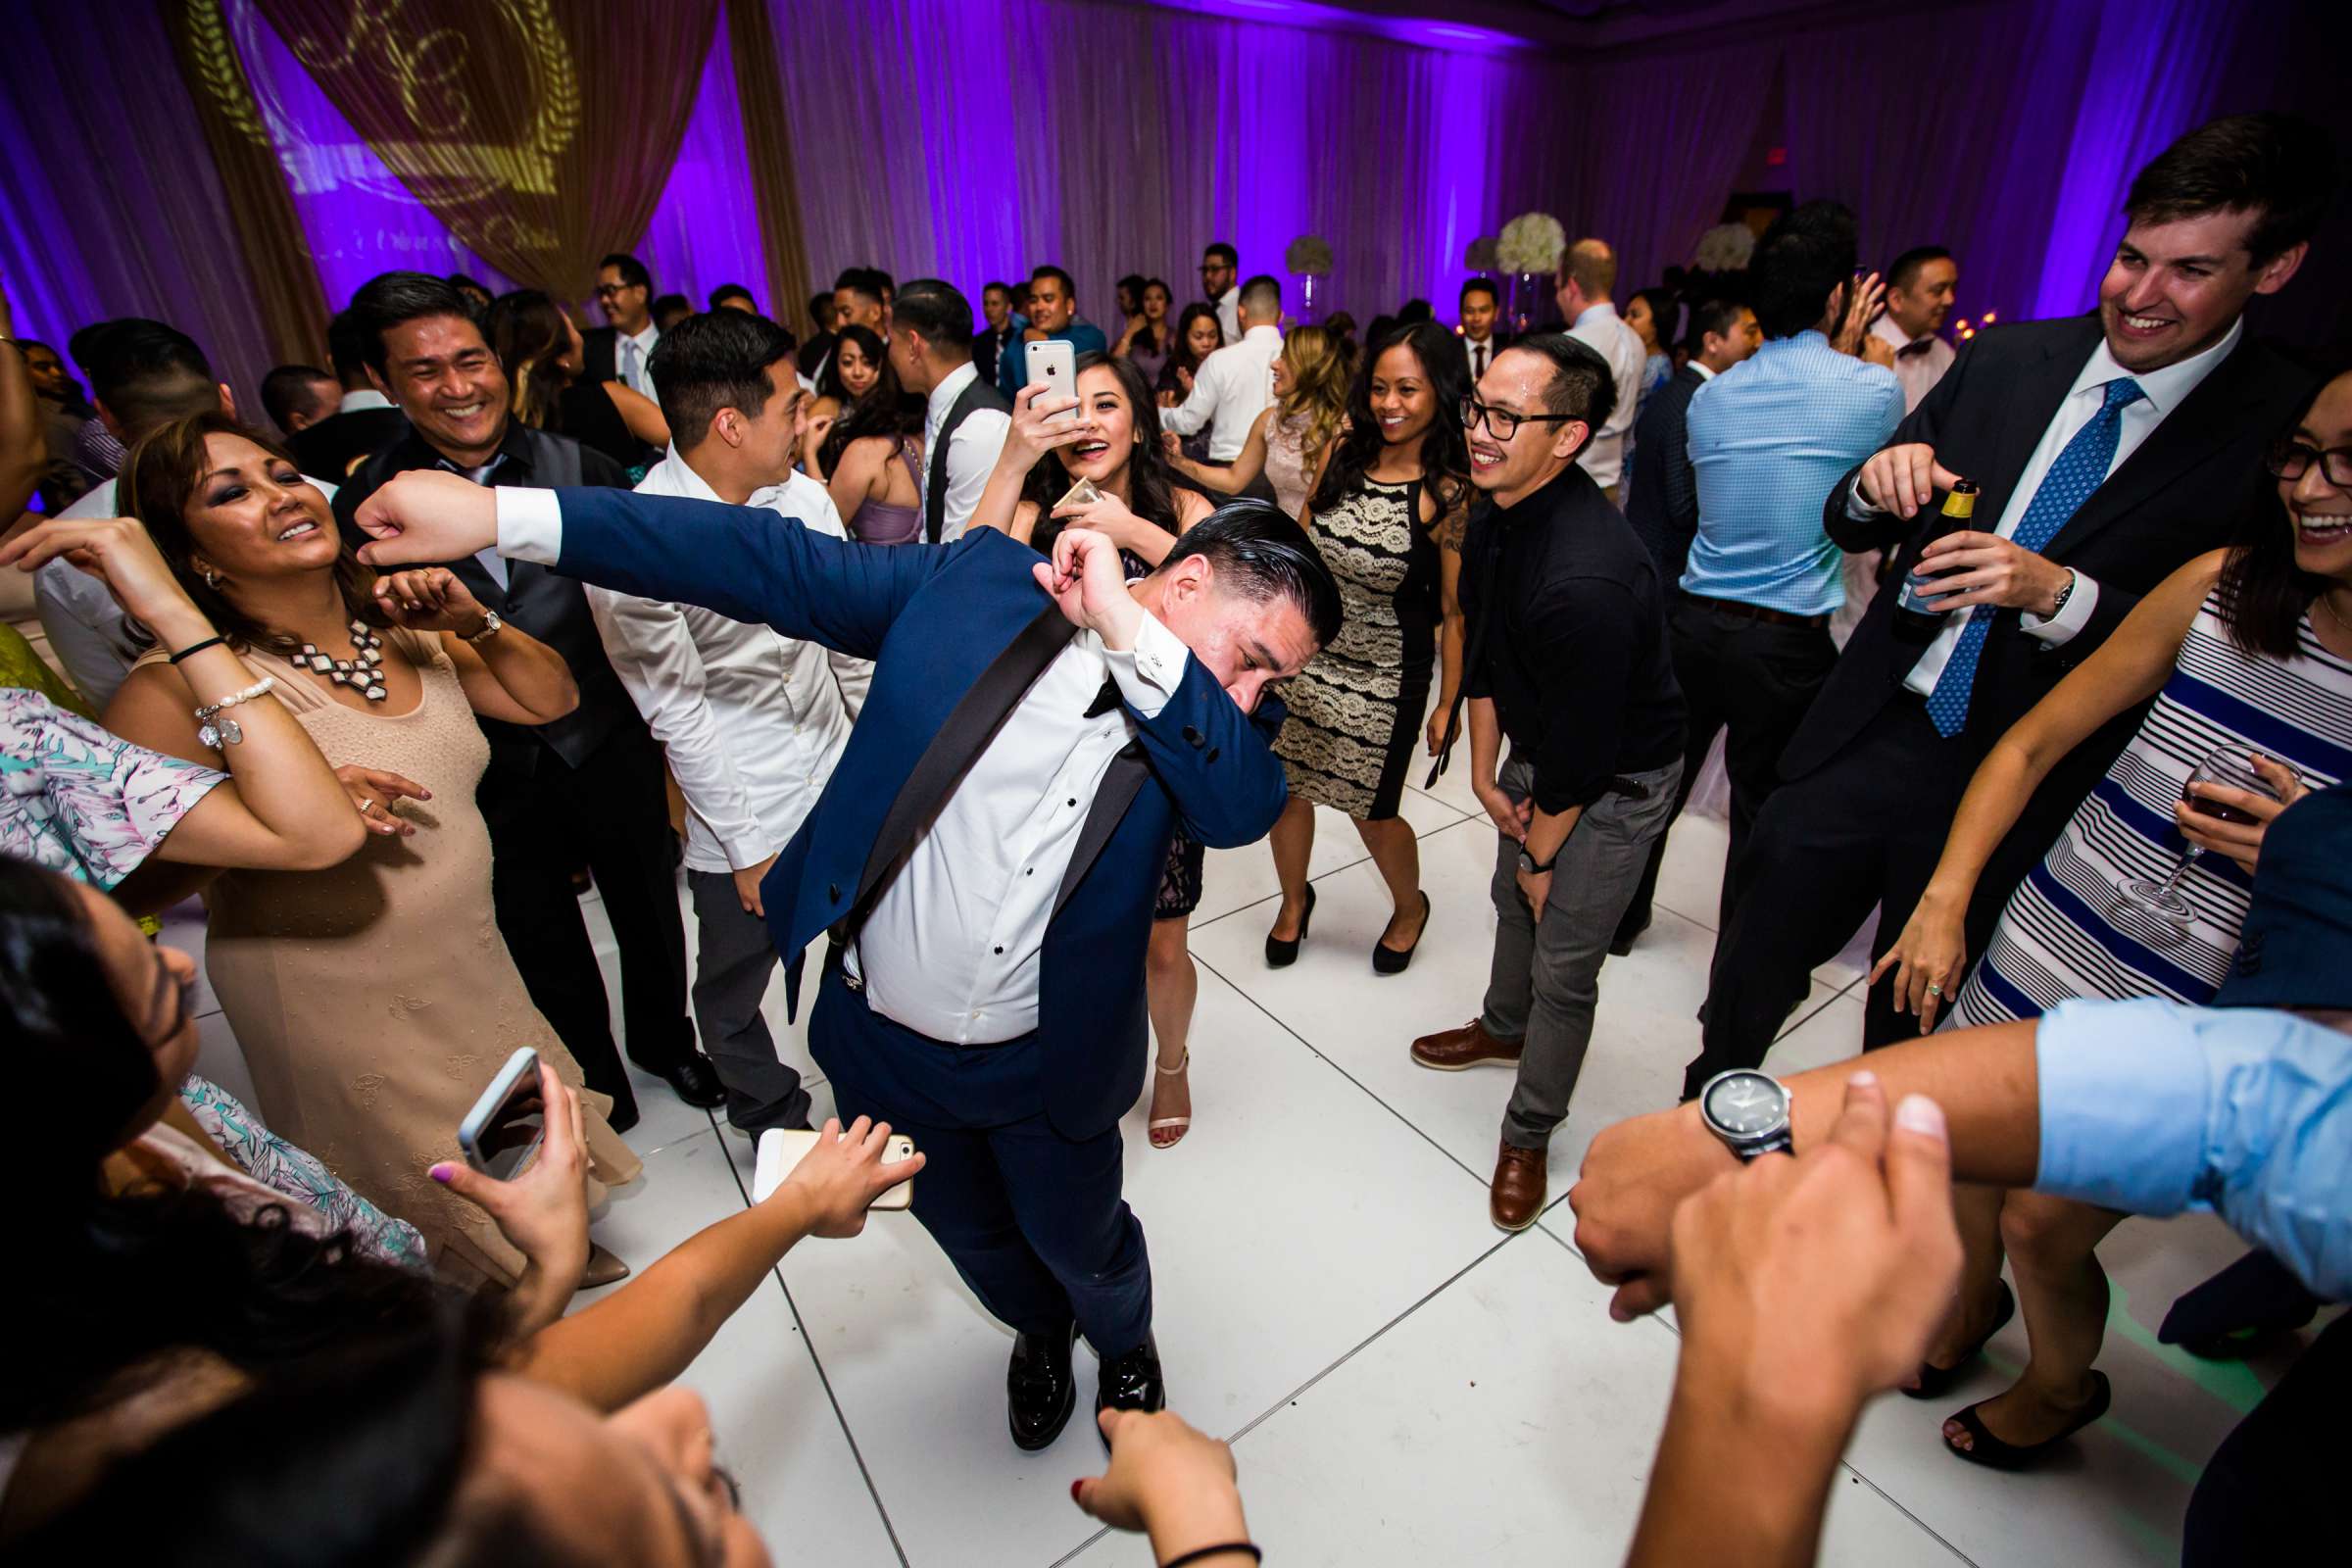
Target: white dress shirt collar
x,y
674,475
365,397
1704,374
2167,388
1605,310
1259,334
943,396
1884,329
644,340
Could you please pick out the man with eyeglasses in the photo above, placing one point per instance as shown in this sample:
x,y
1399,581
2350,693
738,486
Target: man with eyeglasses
x,y
1221,285
1568,661
623,348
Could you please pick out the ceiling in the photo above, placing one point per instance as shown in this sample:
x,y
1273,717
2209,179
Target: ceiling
x,y
1507,25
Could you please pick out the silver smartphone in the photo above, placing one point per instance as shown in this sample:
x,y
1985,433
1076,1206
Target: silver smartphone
x,y
1055,365
509,1122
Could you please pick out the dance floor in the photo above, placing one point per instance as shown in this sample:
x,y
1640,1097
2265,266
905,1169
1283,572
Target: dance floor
x,y
1402,1383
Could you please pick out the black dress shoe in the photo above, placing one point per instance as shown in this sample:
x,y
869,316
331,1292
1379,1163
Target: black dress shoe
x,y
1039,1390
1130,1382
1280,954
695,1081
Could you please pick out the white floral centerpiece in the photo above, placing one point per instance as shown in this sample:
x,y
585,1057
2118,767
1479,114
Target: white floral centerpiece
x,y
1482,256
1725,248
1532,242
1308,257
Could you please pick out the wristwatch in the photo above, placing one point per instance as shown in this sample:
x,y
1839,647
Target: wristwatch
x,y
1527,862
1748,1111
2064,593
492,625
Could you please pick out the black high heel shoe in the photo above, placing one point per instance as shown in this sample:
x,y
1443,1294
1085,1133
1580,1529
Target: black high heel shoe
x,y
1387,959
1280,954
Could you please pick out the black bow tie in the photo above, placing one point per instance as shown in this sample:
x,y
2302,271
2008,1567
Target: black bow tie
x,y
1908,350
1104,700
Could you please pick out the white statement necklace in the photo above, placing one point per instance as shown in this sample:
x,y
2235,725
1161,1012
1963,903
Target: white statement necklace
x,y
363,672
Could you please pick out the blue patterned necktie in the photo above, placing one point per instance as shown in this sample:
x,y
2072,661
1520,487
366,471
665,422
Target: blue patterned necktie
x,y
2079,469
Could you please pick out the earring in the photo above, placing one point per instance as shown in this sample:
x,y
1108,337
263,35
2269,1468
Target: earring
x,y
211,578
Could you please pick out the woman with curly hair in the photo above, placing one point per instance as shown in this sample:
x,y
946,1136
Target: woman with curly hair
x,y
1286,442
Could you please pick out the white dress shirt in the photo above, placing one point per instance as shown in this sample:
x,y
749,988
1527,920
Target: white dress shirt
x,y
1231,389
971,451
753,721
953,945
1918,361
1600,329
631,356
1229,314
87,630
2165,389
365,397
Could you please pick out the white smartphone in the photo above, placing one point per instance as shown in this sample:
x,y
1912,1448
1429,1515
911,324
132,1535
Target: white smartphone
x,y
509,1122
1054,365
781,1150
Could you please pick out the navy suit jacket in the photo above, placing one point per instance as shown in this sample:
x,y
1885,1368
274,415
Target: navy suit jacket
x,y
932,617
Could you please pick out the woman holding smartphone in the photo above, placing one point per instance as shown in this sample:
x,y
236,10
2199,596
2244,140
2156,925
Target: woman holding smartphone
x,y
2249,656
1108,437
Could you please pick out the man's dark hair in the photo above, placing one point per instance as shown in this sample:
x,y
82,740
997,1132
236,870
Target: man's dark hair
x,y
291,389
731,291
146,372
388,298
1803,258
1263,295
938,314
886,283
1582,386
1719,317
819,304
1069,285
717,360
632,270
1002,288
1480,285
861,280
1260,552
1412,313
667,309
347,349
1904,269
2278,165
1223,253
469,286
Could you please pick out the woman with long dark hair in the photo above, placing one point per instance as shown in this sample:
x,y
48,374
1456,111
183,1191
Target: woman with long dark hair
x,y
1143,504
2247,655
1147,340
856,397
1197,336
1387,509
539,346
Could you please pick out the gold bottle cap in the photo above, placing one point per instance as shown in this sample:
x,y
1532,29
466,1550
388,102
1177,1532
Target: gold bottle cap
x,y
1961,500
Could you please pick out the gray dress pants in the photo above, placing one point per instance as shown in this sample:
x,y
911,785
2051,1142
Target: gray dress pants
x,y
734,956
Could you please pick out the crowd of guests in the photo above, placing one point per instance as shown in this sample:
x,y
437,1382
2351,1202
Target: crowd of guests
x,y
2027,647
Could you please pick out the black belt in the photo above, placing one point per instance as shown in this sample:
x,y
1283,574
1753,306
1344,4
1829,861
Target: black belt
x,y
1776,617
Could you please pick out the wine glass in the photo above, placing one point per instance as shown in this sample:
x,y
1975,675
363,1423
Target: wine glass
x,y
2157,912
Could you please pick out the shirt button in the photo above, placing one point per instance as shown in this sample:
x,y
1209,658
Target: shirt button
x,y
999,951
1073,800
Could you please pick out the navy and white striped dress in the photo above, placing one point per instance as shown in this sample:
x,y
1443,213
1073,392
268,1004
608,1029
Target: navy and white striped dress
x,y
2060,937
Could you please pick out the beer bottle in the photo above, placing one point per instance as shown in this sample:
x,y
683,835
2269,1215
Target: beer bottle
x,y
1915,621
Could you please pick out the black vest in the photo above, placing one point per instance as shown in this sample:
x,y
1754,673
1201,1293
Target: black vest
x,y
979,393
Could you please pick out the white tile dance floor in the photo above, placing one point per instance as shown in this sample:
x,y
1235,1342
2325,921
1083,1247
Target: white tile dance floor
x,y
1403,1384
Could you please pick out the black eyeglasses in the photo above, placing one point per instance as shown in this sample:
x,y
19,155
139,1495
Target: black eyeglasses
x,y
1502,423
2290,459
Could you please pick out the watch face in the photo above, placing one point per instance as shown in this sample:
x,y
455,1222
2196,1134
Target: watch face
x,y
1745,1104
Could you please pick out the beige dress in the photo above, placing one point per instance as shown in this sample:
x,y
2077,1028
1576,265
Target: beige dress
x,y
375,1000
1288,469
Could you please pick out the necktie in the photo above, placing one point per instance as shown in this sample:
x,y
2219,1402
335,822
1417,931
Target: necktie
x,y
1478,362
630,374
2081,469
1914,348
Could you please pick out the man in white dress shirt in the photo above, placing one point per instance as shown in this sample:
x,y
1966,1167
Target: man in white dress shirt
x,y
1234,385
965,418
623,349
753,722
1920,287
1220,284
1587,273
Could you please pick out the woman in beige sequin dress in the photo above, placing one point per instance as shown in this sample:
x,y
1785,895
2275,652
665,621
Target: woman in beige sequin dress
x,y
373,1000
1287,441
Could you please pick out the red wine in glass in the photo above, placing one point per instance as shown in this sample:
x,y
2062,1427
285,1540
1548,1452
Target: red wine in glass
x,y
2214,809
2157,912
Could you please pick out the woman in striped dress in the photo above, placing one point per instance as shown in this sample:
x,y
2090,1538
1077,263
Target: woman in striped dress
x,y
2247,651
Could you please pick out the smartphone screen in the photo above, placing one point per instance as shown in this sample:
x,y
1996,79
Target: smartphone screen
x,y
502,1130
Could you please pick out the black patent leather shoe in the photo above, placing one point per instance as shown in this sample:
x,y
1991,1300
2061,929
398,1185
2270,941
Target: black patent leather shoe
x,y
1130,1382
695,1081
1039,1390
1280,954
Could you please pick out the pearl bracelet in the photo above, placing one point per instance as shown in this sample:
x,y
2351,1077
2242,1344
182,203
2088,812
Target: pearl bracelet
x,y
226,731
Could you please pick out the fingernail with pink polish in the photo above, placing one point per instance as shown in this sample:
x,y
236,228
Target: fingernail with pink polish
x,y
442,1172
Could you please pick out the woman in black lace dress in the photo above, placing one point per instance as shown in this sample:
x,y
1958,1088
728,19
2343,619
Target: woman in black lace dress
x,y
1115,446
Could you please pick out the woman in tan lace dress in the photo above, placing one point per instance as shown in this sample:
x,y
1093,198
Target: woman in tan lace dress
x,y
373,1000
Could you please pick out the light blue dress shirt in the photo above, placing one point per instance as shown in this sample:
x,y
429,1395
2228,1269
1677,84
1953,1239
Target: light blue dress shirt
x,y
1770,438
2153,1107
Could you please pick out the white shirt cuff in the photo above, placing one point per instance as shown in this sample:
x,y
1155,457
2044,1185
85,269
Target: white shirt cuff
x,y
530,525
1149,672
2072,617
1858,509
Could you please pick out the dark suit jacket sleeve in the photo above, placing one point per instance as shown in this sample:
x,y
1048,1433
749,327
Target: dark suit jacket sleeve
x,y
745,563
1216,761
1887,530
1680,484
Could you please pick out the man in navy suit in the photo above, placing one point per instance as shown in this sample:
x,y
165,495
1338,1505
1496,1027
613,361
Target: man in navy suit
x,y
985,858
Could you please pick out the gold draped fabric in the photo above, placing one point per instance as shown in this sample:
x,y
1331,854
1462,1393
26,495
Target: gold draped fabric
x,y
540,132
758,89
261,211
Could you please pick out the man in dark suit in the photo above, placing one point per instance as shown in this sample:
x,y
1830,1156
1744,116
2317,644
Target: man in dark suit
x,y
2108,451
985,856
587,789
995,308
365,420
623,348
1481,323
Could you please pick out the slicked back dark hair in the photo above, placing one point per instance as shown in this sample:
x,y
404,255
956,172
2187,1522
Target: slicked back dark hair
x,y
2280,166
1905,268
863,280
1581,385
717,360
347,346
287,391
1259,552
1719,317
632,270
1263,295
731,291
1069,285
389,299
146,372
1803,258
1223,253
939,314
1482,285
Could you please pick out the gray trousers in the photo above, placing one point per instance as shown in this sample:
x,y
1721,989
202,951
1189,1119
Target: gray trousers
x,y
734,956
1546,974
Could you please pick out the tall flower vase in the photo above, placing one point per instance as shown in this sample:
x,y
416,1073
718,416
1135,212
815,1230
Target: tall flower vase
x,y
1526,301
1314,298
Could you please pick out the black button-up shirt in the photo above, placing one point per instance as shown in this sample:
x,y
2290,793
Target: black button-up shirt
x,y
1567,636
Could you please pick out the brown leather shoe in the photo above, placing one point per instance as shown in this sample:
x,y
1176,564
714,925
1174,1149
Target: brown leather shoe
x,y
1517,1196
1455,1048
